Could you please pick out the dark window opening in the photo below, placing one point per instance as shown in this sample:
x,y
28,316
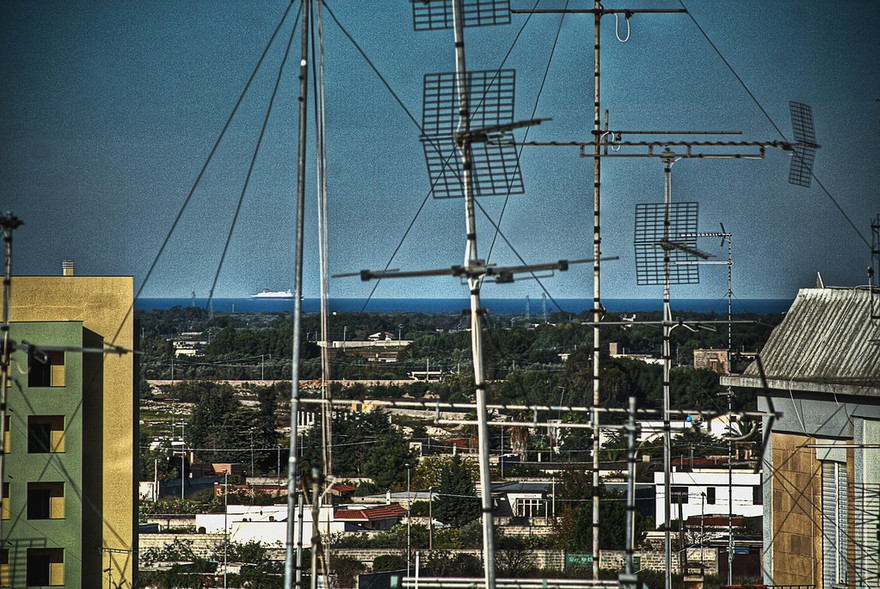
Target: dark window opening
x,y
45,434
679,495
710,495
45,566
45,369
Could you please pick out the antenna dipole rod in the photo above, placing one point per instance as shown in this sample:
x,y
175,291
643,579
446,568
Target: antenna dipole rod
x,y
471,261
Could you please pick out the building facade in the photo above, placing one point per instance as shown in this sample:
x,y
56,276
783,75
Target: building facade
x,y
818,379
70,491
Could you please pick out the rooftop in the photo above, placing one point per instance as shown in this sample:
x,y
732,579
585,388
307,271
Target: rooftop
x,y
827,343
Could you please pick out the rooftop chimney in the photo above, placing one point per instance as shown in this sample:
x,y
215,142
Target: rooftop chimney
x,y
67,268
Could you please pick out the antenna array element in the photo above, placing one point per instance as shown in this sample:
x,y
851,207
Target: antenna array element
x,y
433,15
801,171
651,239
495,169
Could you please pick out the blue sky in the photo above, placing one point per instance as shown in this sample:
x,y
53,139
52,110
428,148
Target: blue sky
x,y
111,110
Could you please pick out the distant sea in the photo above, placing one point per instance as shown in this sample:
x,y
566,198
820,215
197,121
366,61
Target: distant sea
x,y
453,305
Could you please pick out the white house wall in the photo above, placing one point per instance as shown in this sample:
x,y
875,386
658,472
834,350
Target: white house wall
x,y
260,527
697,484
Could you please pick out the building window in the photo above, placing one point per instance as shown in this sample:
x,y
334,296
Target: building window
x,y
834,523
45,566
710,495
530,508
45,500
6,435
5,508
679,495
4,567
45,369
45,434
757,495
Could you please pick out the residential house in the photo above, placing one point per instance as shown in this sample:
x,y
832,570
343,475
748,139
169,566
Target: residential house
x,y
268,523
697,492
818,378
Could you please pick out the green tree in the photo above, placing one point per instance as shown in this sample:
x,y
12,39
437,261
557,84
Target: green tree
x,y
388,459
574,527
353,436
457,503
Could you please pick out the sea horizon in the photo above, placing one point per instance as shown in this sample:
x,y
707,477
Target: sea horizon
x,y
502,306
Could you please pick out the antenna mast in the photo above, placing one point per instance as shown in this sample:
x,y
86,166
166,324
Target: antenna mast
x,y
471,260
293,555
7,223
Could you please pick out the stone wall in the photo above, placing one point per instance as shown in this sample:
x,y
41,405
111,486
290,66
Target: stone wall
x,y
204,544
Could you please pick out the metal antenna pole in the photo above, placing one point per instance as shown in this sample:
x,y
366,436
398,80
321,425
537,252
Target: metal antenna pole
x,y
597,306
729,413
471,261
324,251
668,160
291,576
629,579
7,223
316,526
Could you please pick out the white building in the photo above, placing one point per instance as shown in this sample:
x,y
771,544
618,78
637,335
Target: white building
x,y
262,523
708,492
268,523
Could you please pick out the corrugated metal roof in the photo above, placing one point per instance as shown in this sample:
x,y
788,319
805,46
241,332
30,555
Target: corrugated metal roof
x,y
827,340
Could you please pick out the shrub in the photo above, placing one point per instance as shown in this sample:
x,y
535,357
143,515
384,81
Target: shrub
x,y
389,562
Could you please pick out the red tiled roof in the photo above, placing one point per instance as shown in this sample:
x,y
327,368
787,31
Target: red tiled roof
x,y
340,488
461,443
373,513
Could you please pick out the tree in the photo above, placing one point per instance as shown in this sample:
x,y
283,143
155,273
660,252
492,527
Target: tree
x,y
354,434
209,425
387,464
574,528
458,503
347,570
429,471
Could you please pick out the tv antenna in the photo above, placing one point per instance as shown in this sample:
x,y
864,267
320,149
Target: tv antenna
x,y
468,124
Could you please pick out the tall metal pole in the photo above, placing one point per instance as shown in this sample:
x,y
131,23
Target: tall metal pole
x,y
729,415
8,223
597,306
316,526
324,250
631,429
182,458
472,260
225,525
668,160
408,520
293,552
729,488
